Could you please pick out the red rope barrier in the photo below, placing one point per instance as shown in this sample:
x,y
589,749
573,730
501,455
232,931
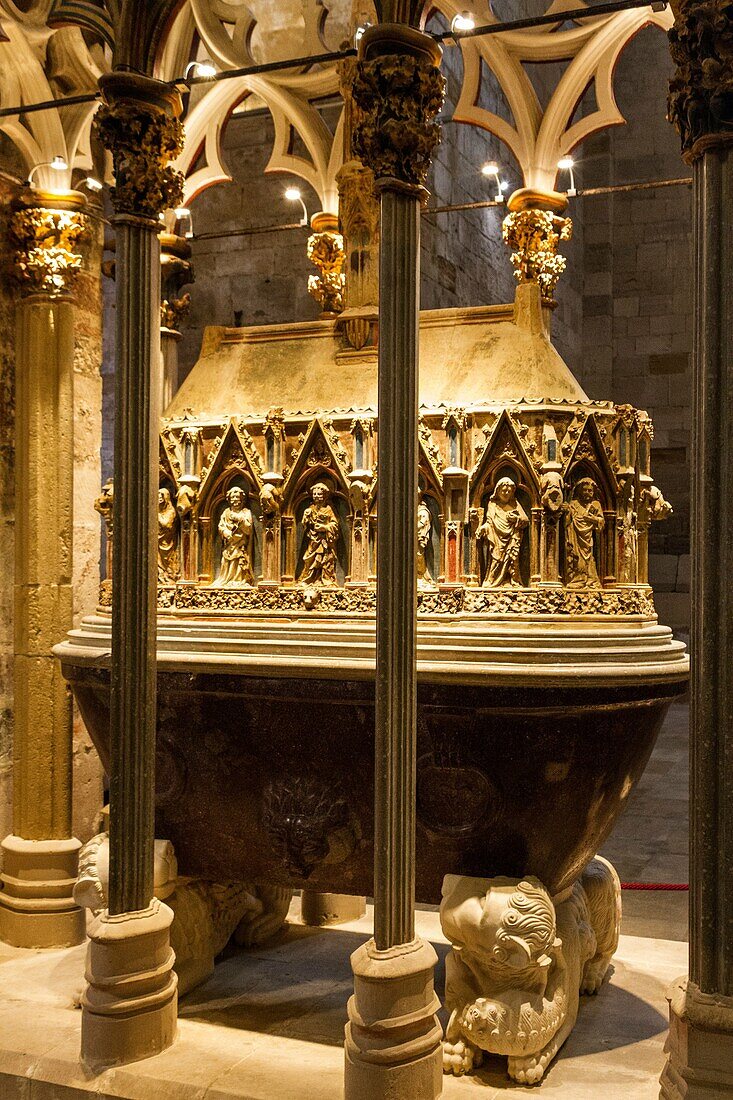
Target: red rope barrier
x,y
655,886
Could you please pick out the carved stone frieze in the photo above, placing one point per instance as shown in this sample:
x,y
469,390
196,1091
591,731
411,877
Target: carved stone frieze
x,y
545,519
47,248
395,132
700,103
534,237
143,140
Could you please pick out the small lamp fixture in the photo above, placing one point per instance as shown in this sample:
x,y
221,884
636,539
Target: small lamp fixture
x,y
359,32
183,213
491,169
59,164
92,183
201,70
292,194
463,21
567,164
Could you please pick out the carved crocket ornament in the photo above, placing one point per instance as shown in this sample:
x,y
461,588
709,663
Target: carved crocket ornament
x,y
519,964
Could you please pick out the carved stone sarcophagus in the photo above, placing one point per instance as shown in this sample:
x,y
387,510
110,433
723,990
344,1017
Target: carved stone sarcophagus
x,y
543,672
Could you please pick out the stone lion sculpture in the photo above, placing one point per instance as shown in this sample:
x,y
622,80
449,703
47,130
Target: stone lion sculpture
x,y
519,964
206,914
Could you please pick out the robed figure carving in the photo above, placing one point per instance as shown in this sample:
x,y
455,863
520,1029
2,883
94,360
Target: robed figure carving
x,y
503,530
583,521
169,569
235,528
424,527
321,530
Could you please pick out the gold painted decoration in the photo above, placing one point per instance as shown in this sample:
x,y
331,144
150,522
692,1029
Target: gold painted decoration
x,y
326,252
173,311
142,140
398,98
534,237
700,103
48,246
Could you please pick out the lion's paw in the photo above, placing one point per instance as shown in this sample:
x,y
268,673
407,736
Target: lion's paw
x,y
460,1057
531,1069
594,975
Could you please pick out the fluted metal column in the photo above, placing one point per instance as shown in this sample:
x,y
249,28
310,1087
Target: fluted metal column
x,y
700,1044
129,1005
134,569
393,1037
711,749
394,831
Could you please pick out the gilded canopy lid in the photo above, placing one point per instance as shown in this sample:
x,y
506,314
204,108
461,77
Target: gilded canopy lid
x,y
468,357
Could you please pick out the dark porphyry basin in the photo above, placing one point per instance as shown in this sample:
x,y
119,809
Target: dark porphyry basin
x,y
272,779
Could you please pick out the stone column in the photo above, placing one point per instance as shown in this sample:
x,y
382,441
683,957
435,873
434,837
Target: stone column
x,y
129,1006
700,1044
393,1038
40,856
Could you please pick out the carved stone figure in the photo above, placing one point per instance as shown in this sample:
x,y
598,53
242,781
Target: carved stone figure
x,y
551,487
235,528
206,914
628,570
518,965
186,499
321,530
503,530
169,568
424,527
654,506
583,521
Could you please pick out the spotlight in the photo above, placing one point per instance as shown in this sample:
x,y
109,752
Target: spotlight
x,y
462,22
292,194
58,164
567,164
181,213
202,70
359,32
92,183
491,169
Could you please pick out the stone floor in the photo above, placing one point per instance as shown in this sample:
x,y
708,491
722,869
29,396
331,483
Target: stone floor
x,y
268,1024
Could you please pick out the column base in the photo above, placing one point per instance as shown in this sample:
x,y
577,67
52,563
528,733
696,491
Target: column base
x,y
699,1046
317,909
130,1005
393,1037
36,904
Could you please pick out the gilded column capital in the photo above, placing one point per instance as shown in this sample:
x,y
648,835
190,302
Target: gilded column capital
x,y
398,90
139,123
326,252
534,237
700,103
48,233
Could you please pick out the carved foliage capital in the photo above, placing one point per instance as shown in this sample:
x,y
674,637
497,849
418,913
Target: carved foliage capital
x,y
534,237
142,140
326,252
398,97
700,102
47,248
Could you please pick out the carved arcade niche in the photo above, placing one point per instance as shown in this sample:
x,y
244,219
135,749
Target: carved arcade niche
x,y
537,508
